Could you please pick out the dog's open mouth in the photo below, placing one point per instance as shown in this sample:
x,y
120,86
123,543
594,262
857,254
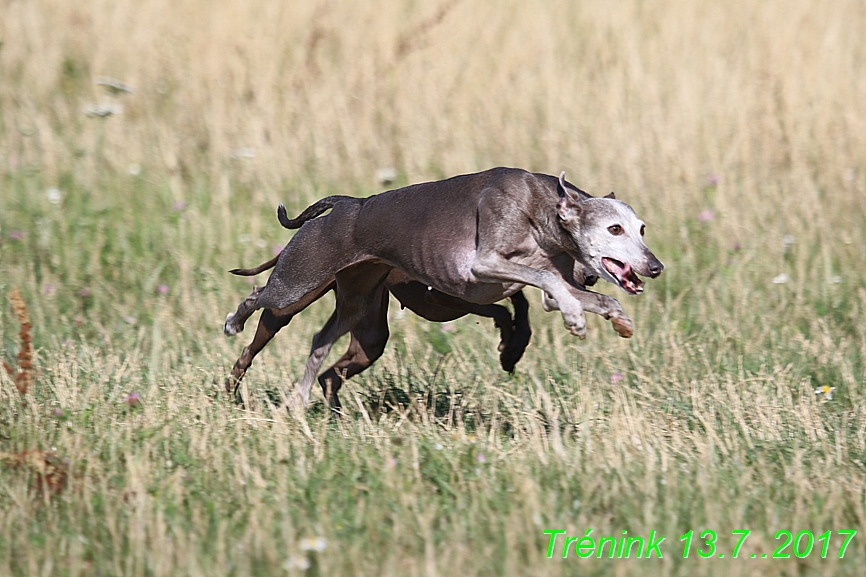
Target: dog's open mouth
x,y
624,275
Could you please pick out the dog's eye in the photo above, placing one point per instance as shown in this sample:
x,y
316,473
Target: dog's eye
x,y
642,229
615,229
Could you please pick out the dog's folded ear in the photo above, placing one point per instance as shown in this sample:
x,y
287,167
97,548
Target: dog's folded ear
x,y
569,205
611,196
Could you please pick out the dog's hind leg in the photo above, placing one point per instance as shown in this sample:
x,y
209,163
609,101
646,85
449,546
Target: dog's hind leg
x,y
369,338
356,288
271,321
370,335
270,324
235,321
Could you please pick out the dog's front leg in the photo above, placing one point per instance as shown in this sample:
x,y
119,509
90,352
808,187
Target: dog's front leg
x,y
495,268
574,276
605,306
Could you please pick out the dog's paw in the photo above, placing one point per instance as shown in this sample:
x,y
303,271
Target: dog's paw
x,y
576,325
510,352
575,320
579,332
296,403
232,383
622,325
231,327
509,356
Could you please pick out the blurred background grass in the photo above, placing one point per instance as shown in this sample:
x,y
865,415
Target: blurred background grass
x,y
736,130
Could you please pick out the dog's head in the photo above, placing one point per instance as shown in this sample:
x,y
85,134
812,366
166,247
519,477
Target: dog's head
x,y
608,238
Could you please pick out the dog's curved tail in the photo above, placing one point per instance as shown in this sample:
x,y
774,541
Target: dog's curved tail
x,y
310,212
254,271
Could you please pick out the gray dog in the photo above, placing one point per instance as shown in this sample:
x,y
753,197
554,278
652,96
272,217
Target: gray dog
x,y
477,238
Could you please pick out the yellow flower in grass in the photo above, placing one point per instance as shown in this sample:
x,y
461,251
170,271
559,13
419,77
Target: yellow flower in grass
x,y
826,392
317,544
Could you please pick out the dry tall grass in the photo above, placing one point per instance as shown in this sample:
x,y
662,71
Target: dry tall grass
x,y
749,114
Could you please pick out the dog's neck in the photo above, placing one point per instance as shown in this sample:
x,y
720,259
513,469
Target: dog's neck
x,y
571,247
555,238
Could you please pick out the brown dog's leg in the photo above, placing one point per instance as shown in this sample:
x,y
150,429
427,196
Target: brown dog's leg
x,y
271,321
269,325
368,343
357,286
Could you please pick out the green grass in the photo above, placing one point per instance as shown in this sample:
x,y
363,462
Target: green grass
x,y
443,461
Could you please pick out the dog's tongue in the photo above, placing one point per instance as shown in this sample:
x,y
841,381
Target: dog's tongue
x,y
626,276
621,270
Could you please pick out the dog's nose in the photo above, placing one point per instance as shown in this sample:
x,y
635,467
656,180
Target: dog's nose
x,y
655,267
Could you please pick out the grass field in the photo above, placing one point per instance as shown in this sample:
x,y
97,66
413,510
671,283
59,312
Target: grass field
x,y
737,131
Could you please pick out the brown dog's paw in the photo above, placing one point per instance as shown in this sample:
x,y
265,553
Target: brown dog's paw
x,y
622,325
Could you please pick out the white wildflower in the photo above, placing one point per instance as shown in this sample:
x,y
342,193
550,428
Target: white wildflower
x,y
113,85
780,279
54,195
297,562
386,175
102,110
243,152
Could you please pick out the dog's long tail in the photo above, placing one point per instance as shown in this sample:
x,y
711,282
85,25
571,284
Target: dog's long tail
x,y
310,212
254,271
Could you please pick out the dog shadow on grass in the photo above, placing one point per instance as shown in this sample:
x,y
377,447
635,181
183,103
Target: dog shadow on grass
x,y
446,408
377,403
